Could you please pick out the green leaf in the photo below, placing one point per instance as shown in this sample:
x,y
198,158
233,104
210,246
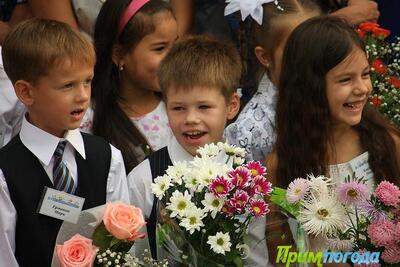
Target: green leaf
x,y
278,197
101,237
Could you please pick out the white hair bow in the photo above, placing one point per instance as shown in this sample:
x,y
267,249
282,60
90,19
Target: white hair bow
x,y
248,7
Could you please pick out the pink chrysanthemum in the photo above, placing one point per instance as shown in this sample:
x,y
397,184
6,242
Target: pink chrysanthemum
x,y
258,207
220,186
382,233
391,254
239,200
375,215
256,168
388,193
241,176
260,186
397,232
352,192
297,189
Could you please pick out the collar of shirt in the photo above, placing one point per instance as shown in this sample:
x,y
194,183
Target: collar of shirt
x,y
177,152
43,144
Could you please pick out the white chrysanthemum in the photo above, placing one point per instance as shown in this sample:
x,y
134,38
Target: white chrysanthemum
x,y
208,150
322,216
205,169
192,182
177,171
180,203
220,243
319,185
192,220
161,185
212,204
231,150
238,160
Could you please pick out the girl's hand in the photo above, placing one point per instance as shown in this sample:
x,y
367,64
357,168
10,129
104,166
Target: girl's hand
x,y
358,11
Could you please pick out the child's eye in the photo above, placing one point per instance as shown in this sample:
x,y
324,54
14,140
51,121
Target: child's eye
x,y
177,108
366,74
344,80
204,107
88,82
159,48
68,85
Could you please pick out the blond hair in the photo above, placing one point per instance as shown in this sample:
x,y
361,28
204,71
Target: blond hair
x,y
35,46
201,61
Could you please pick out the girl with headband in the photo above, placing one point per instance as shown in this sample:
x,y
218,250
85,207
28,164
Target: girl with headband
x,y
131,38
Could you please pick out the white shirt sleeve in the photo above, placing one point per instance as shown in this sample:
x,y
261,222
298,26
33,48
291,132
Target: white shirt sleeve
x,y
139,185
8,220
117,188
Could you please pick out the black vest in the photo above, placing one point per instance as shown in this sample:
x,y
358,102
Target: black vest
x,y
159,162
35,233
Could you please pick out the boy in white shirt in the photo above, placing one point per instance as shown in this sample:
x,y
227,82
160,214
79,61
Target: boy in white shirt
x,y
198,77
51,67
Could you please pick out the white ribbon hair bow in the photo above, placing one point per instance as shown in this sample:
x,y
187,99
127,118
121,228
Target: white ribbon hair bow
x,y
247,7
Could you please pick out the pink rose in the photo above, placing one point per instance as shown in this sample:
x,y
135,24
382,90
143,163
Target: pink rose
x,y
124,221
76,252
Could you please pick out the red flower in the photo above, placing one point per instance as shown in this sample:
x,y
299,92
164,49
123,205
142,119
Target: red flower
x,y
368,26
379,32
240,176
258,207
376,101
378,66
393,80
360,33
220,186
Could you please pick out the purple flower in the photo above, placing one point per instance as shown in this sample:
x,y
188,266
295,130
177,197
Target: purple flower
x,y
240,176
352,192
220,186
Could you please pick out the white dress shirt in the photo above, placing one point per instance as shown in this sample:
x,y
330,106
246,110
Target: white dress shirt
x,y
11,109
139,184
43,145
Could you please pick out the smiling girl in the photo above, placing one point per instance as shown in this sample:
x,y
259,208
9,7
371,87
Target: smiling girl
x,y
325,124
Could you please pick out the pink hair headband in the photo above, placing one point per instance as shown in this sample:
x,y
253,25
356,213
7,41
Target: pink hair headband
x,y
129,12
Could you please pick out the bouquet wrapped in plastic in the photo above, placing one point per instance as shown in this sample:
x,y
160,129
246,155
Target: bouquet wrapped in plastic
x,y
107,235
205,207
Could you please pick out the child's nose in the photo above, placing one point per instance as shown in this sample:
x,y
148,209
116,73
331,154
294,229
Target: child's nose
x,y
83,93
363,86
192,117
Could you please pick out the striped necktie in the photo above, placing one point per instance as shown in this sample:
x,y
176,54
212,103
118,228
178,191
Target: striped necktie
x,y
62,178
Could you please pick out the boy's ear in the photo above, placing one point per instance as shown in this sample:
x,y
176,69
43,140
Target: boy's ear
x,y
262,56
117,55
233,106
24,92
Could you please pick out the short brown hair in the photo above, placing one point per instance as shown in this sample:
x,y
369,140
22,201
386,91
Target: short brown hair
x,y
201,61
34,46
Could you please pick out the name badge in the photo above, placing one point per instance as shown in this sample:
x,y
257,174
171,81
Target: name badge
x,y
60,205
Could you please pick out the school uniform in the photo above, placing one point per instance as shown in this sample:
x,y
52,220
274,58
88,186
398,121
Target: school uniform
x,y
139,184
27,238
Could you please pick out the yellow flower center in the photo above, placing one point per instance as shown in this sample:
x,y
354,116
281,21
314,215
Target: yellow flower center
x,y
323,213
256,210
220,241
254,172
192,220
219,188
215,203
181,205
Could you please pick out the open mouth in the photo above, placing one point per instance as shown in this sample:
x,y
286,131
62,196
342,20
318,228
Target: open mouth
x,y
194,135
354,105
77,112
